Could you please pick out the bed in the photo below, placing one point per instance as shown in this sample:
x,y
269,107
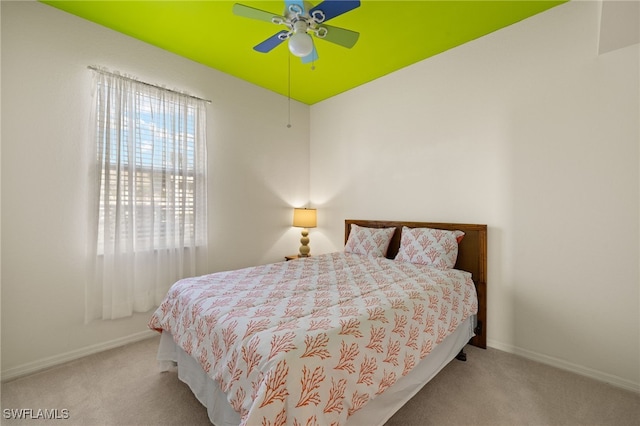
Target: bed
x,y
338,338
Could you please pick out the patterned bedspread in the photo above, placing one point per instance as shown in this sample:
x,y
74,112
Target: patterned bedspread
x,y
311,341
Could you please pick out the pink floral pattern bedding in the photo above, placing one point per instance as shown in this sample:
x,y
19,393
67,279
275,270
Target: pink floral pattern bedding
x,y
311,341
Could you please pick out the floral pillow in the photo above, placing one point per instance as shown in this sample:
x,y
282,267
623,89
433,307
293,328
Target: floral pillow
x,y
432,247
369,241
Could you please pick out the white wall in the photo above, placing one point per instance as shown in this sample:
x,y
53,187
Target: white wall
x,y
258,170
527,130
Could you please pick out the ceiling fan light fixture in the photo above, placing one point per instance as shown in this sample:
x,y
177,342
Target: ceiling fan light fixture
x,y
303,20
300,44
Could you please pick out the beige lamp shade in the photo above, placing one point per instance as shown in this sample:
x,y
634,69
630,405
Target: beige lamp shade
x,y
304,218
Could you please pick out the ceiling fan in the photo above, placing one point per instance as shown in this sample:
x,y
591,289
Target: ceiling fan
x,y
303,20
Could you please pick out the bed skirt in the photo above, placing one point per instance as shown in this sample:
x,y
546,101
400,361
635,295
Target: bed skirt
x,y
376,412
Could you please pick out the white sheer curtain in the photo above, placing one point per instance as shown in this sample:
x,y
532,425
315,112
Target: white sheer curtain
x,y
149,210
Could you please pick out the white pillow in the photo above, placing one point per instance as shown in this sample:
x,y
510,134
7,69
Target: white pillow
x,y
427,246
372,242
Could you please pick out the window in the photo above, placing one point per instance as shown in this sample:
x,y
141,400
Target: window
x,y
148,175
150,189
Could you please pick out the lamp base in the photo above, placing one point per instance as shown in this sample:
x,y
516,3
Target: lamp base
x,y
304,248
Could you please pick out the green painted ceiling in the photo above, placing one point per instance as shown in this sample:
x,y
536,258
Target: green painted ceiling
x,y
393,35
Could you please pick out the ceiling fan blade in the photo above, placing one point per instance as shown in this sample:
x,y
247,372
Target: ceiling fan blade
x,y
253,13
270,43
313,56
333,8
288,3
341,36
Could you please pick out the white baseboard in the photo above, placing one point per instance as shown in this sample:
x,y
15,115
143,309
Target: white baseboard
x,y
568,366
39,365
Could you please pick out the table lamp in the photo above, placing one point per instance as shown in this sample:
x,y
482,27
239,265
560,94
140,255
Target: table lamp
x,y
304,218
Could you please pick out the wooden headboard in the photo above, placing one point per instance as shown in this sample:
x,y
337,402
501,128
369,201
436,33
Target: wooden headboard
x,y
472,257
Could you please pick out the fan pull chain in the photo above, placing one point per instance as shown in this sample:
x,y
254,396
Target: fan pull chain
x,y
313,61
289,89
